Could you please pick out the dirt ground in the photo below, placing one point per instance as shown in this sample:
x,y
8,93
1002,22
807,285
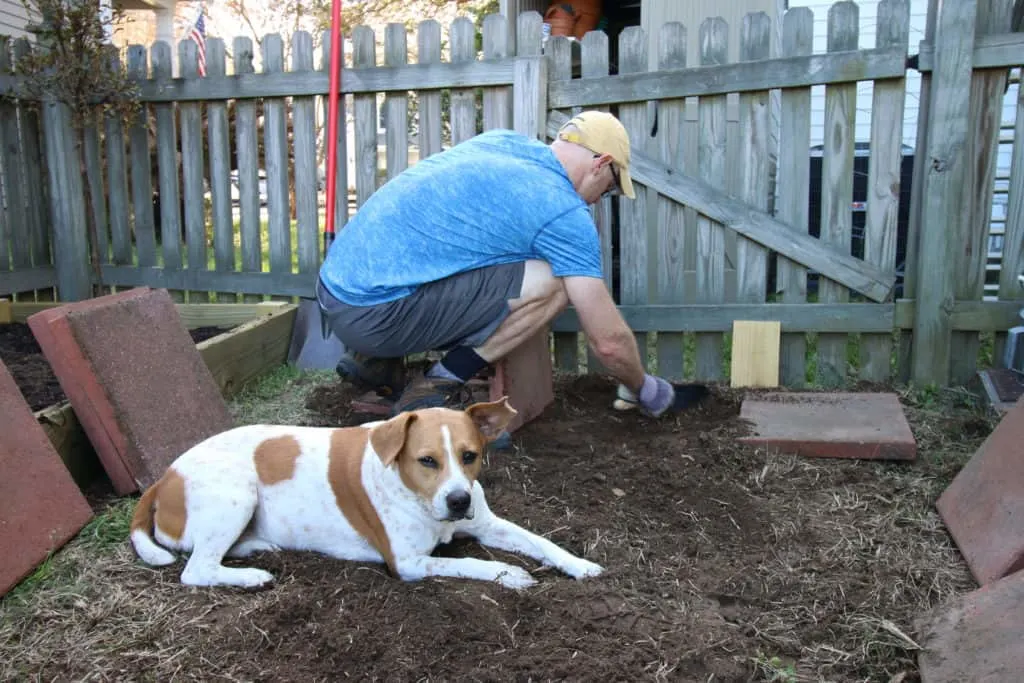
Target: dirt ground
x,y
723,563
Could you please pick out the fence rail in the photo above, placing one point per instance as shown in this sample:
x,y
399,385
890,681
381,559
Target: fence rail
x,y
214,190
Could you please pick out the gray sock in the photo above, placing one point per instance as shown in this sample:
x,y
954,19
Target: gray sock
x,y
440,371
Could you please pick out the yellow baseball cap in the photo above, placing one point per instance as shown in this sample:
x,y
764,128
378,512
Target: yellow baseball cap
x,y
602,133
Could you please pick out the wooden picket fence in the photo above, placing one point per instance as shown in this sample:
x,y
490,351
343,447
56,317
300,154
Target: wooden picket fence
x,y
722,210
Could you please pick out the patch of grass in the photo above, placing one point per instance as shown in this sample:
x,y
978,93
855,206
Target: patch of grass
x,y
279,397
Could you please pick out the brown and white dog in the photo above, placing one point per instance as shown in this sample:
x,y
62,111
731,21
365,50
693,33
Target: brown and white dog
x,y
388,491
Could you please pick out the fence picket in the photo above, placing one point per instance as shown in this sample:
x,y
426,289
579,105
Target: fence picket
x,y
497,100
794,187
275,145
98,238
462,37
218,140
247,152
364,55
429,101
594,63
169,228
882,220
192,171
142,168
396,104
671,289
714,49
117,185
837,185
751,257
14,211
307,212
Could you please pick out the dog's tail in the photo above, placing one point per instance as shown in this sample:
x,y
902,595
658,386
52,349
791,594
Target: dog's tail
x,y
141,529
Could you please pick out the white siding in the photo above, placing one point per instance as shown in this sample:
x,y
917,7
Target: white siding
x,y
13,18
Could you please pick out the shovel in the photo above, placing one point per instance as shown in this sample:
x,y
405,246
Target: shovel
x,y
313,346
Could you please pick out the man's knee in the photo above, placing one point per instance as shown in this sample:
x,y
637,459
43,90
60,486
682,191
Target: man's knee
x,y
540,284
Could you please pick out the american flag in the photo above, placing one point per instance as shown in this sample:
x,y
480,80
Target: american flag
x,y
198,34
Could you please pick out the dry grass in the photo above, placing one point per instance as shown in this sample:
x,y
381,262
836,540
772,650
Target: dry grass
x,y
94,610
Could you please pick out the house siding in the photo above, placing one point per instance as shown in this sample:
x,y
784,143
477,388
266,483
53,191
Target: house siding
x,y
13,19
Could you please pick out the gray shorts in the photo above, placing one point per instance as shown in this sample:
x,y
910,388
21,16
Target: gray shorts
x,y
461,310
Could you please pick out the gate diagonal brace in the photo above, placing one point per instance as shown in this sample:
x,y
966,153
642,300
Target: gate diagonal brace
x,y
754,224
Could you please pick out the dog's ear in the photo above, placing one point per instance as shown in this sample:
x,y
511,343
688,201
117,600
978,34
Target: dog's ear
x,y
492,418
388,438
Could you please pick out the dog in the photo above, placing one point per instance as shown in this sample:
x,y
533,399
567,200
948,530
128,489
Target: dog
x,y
388,491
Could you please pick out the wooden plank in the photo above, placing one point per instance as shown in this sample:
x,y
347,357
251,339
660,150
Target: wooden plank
x,y
117,185
462,107
671,217
356,81
904,354
1012,260
396,104
37,215
497,102
883,198
364,55
37,277
846,66
594,62
943,194
219,143
794,187
237,357
15,207
98,235
755,353
529,35
141,170
837,185
714,50
192,169
275,146
720,317
971,232
247,153
278,285
227,315
5,311
67,205
633,229
530,109
751,257
341,173
770,232
428,43
307,210
558,51
167,168
990,52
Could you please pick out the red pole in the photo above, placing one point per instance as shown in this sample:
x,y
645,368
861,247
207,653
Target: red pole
x,y
334,88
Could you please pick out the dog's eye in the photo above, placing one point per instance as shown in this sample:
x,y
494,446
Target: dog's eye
x,y
428,461
469,457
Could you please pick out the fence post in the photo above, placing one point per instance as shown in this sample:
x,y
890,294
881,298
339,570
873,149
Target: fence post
x,y
530,94
942,199
67,204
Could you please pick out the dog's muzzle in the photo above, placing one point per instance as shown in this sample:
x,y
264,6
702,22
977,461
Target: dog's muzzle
x,y
459,503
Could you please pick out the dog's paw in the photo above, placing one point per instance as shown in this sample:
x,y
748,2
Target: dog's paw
x,y
516,578
581,569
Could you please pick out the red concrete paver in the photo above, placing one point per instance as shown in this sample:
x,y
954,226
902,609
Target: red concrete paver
x,y
975,637
135,379
41,507
983,507
831,425
525,376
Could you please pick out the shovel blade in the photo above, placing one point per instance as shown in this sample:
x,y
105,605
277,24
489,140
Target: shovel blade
x,y
310,348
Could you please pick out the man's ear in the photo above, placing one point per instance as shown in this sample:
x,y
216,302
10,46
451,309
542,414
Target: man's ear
x,y
492,418
388,438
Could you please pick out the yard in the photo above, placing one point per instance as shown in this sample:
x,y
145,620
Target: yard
x,y
722,563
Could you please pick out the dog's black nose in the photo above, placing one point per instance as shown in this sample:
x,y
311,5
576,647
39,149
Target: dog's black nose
x,y
458,502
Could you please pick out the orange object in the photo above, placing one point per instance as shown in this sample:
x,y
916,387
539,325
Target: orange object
x,y
588,14
561,17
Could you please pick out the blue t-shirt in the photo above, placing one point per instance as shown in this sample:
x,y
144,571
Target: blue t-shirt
x,y
496,198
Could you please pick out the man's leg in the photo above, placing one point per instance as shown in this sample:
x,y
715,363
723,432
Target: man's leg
x,y
542,297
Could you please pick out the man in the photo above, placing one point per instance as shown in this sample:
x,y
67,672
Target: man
x,y
473,251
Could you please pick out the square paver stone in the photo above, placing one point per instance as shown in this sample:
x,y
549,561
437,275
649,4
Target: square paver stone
x,y
135,379
41,507
830,425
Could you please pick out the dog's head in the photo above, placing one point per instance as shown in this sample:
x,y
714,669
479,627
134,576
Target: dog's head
x,y
438,452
